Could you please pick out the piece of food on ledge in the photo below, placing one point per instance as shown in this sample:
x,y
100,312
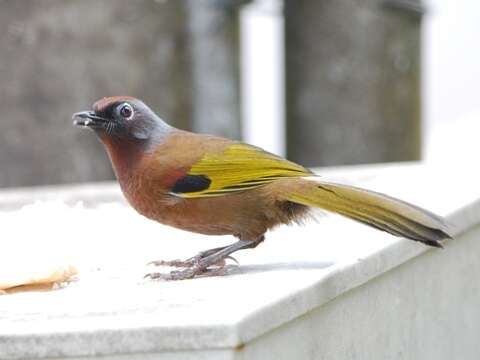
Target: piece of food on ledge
x,y
30,277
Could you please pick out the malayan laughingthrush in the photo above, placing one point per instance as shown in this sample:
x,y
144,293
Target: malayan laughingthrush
x,y
216,186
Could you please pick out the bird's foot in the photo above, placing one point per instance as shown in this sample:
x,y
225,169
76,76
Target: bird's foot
x,y
191,262
173,263
195,267
201,264
188,273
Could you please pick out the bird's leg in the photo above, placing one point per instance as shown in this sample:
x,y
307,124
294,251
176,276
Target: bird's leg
x,y
200,267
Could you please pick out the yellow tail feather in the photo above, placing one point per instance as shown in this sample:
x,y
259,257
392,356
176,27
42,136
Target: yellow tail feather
x,y
374,209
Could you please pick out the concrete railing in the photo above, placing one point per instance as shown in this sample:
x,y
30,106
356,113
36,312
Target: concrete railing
x,y
329,290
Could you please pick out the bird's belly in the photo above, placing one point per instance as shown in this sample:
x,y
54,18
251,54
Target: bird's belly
x,y
198,216
191,215
225,215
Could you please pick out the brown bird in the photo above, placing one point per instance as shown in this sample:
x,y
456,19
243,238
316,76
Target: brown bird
x,y
216,186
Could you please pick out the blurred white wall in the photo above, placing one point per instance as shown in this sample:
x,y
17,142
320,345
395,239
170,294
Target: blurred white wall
x,y
451,60
451,78
262,52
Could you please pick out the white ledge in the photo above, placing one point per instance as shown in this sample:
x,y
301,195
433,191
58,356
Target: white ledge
x,y
278,289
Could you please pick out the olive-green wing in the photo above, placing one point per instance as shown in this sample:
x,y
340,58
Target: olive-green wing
x,y
239,167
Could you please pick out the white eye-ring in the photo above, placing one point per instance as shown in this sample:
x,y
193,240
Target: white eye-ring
x,y
125,110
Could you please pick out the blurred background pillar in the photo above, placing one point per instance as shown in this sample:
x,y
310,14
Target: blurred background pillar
x,y
352,81
58,56
214,29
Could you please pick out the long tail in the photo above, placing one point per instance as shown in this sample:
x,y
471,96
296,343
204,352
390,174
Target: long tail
x,y
374,209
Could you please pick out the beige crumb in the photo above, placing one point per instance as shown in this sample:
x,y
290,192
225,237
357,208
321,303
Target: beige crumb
x,y
27,279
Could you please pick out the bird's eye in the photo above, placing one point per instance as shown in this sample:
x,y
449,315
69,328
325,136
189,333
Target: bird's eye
x,y
125,111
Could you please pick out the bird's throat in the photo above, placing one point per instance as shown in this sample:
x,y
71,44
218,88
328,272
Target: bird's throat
x,y
125,157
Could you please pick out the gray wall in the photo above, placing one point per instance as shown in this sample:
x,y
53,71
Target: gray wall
x,y
352,81
59,56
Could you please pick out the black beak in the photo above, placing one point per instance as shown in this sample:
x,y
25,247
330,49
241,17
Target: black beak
x,y
89,119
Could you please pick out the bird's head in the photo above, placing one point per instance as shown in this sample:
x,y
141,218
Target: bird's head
x,y
122,118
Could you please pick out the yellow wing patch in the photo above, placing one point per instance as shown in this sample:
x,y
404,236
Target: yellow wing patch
x,y
241,167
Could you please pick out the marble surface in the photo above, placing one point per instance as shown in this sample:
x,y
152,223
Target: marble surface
x,y
110,309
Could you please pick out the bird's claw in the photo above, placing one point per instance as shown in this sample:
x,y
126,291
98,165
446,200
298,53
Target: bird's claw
x,y
173,275
189,273
191,262
232,258
173,263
